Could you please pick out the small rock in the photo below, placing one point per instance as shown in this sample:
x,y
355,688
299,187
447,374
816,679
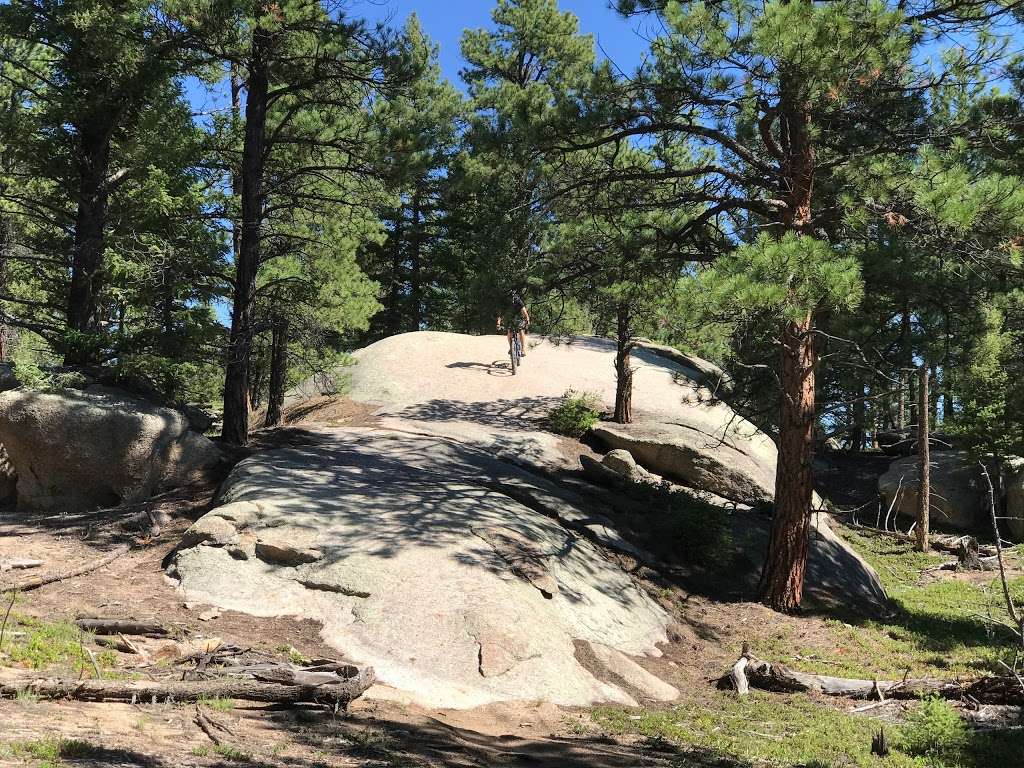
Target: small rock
x,y
209,615
212,530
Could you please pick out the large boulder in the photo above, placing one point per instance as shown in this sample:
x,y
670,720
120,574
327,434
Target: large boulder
x,y
448,571
958,490
741,470
7,378
76,450
1013,487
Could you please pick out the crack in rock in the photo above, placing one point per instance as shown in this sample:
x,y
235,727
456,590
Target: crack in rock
x,y
324,586
522,555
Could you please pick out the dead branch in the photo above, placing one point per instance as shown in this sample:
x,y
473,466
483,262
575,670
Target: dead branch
x,y
337,693
42,581
105,626
780,678
1011,608
20,565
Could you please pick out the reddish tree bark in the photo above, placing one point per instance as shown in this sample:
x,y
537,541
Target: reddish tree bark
x,y
782,577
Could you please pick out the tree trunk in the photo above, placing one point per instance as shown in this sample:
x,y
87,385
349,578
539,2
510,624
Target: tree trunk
x,y
415,266
6,243
782,577
857,434
247,262
924,452
623,367
906,356
89,242
393,303
778,677
278,371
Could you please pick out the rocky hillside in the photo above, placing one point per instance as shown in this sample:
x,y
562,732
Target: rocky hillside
x,y
453,545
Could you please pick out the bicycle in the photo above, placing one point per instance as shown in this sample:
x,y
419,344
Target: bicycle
x,y
515,352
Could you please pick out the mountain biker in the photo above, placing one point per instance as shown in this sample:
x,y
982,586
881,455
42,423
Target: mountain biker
x,y
518,320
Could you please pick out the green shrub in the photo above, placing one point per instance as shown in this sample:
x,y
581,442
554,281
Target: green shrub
x,y
934,729
576,414
27,369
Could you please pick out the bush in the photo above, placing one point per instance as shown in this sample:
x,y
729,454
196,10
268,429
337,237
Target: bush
x,y
576,414
934,729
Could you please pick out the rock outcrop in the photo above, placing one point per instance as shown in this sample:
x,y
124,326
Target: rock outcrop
x,y
446,570
958,492
1013,487
7,378
76,450
741,470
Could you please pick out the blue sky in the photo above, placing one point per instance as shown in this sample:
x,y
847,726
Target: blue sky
x,y
444,21
620,40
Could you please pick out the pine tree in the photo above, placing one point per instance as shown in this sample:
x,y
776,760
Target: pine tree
x,y
791,100
293,59
419,134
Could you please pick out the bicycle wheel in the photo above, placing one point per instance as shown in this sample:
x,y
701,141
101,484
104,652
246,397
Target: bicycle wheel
x,y
513,354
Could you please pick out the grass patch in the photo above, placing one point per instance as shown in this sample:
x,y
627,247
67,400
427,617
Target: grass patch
x,y
779,730
219,705
51,752
231,753
940,628
37,644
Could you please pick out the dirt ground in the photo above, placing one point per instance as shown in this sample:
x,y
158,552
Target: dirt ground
x,y
376,731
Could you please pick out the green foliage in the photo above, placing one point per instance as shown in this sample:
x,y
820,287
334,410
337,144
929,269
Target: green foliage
x,y
218,705
788,278
934,730
26,368
44,644
575,414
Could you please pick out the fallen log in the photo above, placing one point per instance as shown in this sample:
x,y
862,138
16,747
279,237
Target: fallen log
x,y
336,694
42,581
993,689
103,626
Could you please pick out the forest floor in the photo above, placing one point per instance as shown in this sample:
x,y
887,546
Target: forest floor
x,y
942,624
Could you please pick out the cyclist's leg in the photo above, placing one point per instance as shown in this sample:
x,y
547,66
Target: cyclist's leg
x,y
522,341
510,332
